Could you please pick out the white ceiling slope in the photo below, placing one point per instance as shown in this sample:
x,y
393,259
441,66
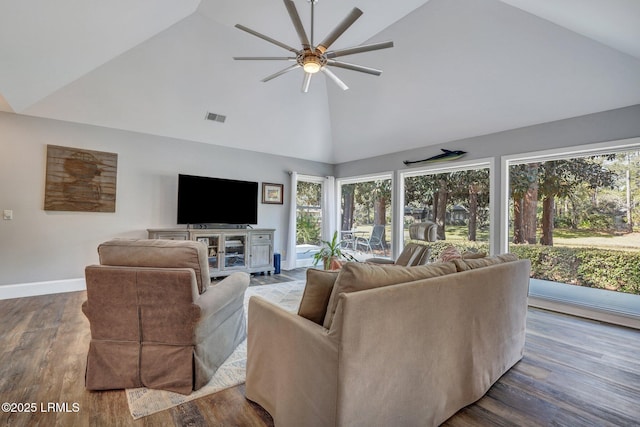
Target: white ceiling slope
x,y
478,67
459,68
614,23
45,45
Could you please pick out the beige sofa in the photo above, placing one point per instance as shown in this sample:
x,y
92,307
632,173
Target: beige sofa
x,y
155,320
398,346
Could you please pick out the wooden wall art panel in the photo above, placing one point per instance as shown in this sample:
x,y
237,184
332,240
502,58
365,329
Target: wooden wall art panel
x,y
80,180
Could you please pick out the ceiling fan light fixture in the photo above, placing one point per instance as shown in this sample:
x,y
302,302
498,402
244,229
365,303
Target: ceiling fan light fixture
x,y
311,64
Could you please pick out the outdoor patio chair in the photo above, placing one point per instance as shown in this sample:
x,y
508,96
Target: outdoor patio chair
x,y
375,240
347,240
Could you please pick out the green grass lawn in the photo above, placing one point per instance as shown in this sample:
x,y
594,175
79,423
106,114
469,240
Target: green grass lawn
x,y
568,233
596,239
461,232
561,237
567,237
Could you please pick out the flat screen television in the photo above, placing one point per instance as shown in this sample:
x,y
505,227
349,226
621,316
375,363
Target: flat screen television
x,y
204,200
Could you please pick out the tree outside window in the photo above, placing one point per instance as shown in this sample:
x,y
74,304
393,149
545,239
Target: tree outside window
x,y
457,201
574,218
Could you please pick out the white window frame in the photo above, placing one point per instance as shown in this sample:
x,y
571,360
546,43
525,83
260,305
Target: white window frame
x,y
458,167
315,180
586,150
366,178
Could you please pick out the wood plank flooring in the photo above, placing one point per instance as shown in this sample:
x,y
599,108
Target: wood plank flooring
x,y
575,372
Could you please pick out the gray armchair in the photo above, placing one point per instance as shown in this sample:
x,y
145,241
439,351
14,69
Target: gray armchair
x,y
155,320
413,254
427,231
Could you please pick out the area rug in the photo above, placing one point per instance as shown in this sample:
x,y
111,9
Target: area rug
x,y
144,401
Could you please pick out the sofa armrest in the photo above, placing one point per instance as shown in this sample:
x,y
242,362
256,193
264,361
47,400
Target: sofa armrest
x,y
281,345
224,298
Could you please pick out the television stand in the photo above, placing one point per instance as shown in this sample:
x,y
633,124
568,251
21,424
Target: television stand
x,y
229,249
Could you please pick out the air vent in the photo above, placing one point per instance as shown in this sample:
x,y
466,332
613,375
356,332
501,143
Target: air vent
x,y
216,117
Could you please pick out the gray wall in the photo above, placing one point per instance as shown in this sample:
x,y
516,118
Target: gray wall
x,y
40,245
600,127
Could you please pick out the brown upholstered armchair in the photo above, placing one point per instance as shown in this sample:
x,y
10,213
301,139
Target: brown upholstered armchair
x,y
155,320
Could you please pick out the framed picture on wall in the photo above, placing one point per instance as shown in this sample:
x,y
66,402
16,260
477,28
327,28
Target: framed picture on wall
x,y
80,180
272,193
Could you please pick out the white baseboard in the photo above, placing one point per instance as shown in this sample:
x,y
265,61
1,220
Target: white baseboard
x,y
41,288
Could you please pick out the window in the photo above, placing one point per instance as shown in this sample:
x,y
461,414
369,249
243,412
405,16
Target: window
x,y
574,214
456,199
309,191
308,213
365,215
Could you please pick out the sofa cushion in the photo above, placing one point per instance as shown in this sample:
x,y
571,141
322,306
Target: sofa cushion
x,y
470,264
316,294
158,253
356,276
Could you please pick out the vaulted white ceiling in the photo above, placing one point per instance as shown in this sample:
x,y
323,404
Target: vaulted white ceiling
x,y
459,68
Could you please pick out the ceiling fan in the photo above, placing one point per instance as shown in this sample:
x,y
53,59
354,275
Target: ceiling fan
x,y
316,58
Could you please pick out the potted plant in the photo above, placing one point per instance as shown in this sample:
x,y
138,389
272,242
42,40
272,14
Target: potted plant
x,y
331,253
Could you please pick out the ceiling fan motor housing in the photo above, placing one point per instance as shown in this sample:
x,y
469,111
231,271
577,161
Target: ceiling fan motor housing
x,y
311,61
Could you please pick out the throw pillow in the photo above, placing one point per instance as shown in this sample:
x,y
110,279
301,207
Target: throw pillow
x,y
473,255
449,254
470,264
316,294
356,276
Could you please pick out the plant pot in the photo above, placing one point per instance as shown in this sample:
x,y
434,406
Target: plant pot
x,y
334,264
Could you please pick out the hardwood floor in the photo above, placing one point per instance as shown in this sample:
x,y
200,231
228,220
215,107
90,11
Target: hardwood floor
x,y
575,372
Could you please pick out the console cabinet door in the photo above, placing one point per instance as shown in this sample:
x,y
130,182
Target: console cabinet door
x,y
261,250
212,242
260,256
235,251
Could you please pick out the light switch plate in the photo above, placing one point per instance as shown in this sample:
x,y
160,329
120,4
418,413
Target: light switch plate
x,y
7,214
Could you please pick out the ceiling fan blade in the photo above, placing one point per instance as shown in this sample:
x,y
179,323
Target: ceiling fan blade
x,y
267,38
354,67
281,72
359,49
264,58
306,82
335,78
297,23
341,28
